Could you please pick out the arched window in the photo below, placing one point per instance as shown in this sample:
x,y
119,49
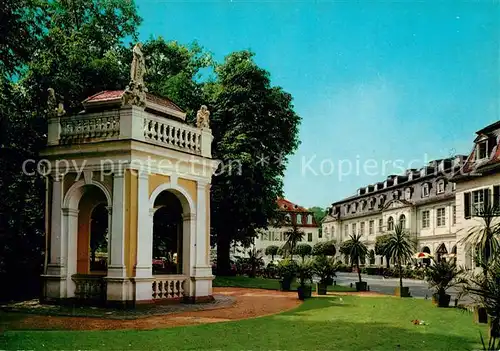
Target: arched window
x,y
440,186
390,223
288,218
309,219
408,194
425,190
402,221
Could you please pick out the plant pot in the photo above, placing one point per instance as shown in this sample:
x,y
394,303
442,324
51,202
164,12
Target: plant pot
x,y
285,284
480,315
304,291
321,288
404,293
443,300
361,286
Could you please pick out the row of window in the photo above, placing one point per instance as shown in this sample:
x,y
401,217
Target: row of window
x,y
299,218
280,236
371,203
426,222
477,201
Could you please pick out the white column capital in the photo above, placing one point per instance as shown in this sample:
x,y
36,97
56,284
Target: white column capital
x,y
201,185
188,217
71,212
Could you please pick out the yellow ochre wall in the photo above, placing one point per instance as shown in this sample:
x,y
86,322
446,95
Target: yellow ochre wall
x,y
155,180
190,187
131,189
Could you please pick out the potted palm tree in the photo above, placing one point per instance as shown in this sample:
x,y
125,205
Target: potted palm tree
x,y
287,270
399,246
441,276
354,248
304,273
325,268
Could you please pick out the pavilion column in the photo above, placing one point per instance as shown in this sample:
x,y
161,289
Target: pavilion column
x,y
201,278
143,269
56,276
189,252
117,282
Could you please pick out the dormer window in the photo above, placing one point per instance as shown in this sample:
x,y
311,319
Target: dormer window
x,y
482,150
372,203
299,219
395,195
440,186
453,186
425,190
309,219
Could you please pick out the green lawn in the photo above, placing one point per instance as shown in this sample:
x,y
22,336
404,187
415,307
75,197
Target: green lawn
x,y
263,283
353,323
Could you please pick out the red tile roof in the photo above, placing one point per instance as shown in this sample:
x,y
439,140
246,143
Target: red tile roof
x,y
284,204
107,95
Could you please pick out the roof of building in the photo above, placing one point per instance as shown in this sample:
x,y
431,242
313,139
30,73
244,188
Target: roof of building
x,y
475,167
284,204
115,95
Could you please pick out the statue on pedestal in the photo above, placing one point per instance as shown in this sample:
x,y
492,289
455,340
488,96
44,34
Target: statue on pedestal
x,y
135,93
203,117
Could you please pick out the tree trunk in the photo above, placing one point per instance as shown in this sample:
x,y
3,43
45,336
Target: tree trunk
x,y
223,261
359,271
400,278
387,261
272,258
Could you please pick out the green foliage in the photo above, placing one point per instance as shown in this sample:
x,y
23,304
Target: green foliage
x,y
287,269
251,121
305,272
354,248
443,275
400,247
324,248
325,268
319,213
293,236
272,250
303,250
22,26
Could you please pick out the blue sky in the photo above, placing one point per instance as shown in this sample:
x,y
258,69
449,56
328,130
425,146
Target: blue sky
x,y
401,82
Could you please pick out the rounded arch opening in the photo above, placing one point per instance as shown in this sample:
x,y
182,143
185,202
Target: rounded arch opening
x,y
427,250
390,223
167,233
402,221
92,229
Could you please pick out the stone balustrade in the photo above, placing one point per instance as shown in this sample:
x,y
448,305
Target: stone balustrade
x,y
130,123
172,134
90,287
85,128
168,286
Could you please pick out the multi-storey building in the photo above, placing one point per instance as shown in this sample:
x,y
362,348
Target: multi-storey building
x,y
478,185
423,201
294,214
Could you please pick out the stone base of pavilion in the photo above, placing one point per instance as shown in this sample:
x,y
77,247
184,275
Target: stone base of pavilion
x,y
74,308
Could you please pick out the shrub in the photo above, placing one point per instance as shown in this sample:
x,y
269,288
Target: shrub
x,y
287,269
324,248
303,250
304,272
325,268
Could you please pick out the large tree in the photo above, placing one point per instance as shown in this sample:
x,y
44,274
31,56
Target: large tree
x,y
77,52
255,129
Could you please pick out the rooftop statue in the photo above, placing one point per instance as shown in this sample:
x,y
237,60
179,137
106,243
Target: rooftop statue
x,y
203,117
135,93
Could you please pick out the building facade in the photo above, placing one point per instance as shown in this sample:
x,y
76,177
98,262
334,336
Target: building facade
x,y
478,186
422,201
293,214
